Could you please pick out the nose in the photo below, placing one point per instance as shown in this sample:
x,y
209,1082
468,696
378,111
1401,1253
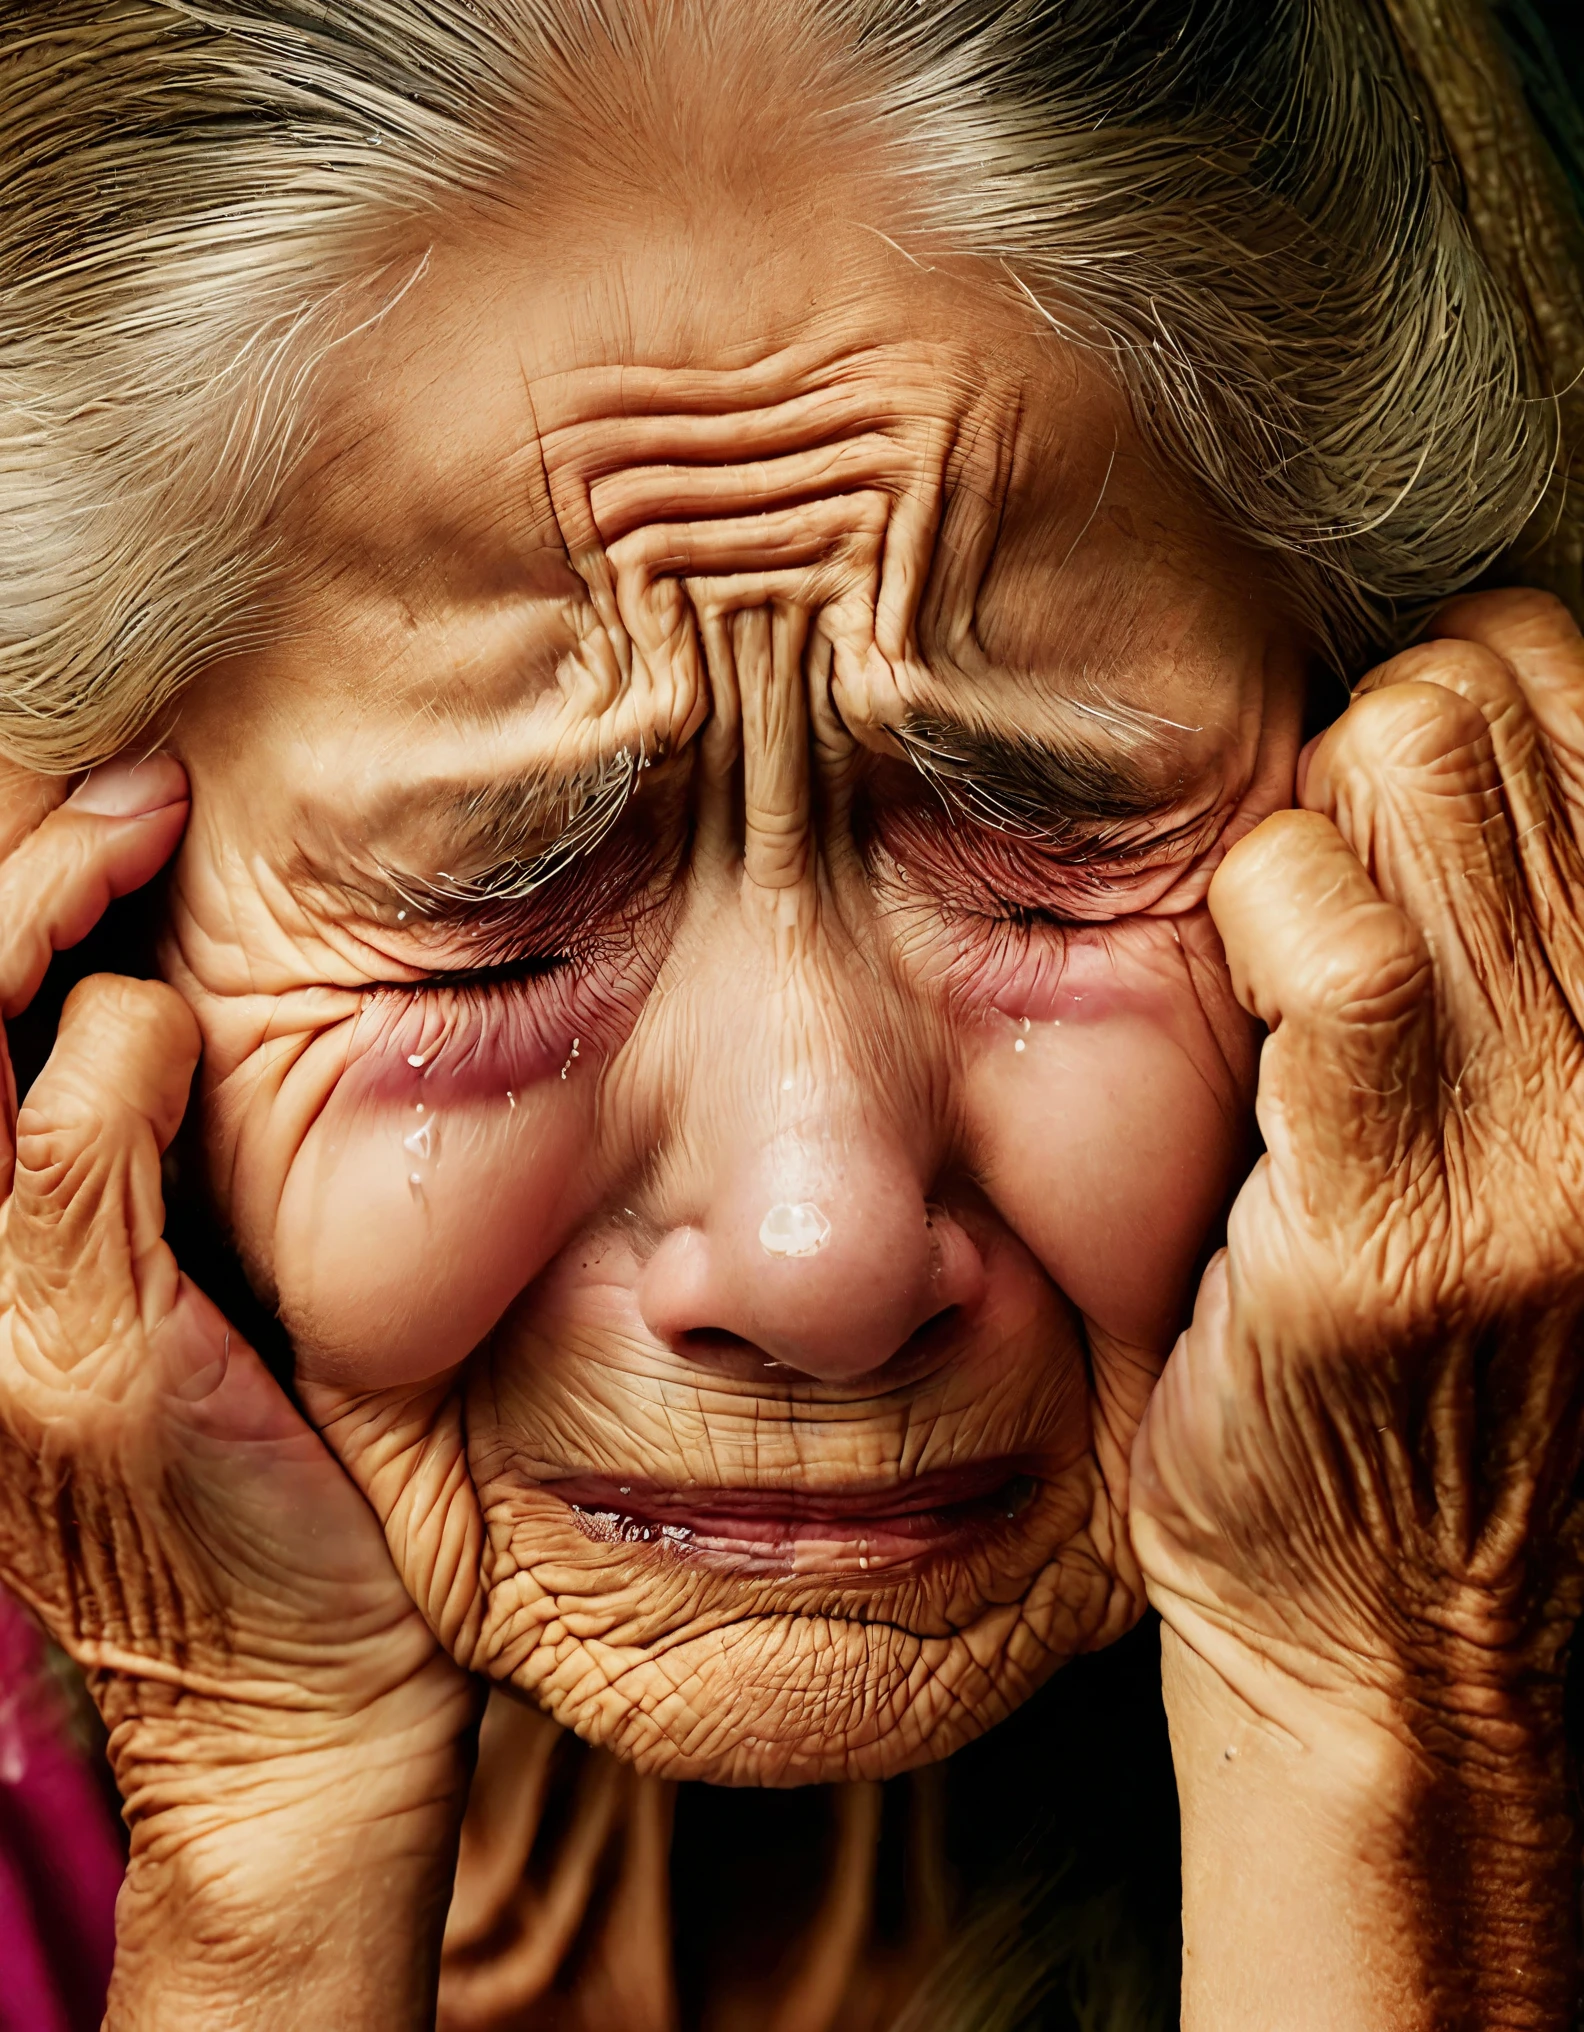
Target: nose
x,y
826,1261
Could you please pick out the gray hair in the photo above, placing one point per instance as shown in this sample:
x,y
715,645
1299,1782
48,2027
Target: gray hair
x,y
1244,205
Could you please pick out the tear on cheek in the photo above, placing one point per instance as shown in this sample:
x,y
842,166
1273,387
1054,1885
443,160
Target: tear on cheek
x,y
424,1197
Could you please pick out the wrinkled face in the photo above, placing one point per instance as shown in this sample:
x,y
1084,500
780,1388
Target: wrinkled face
x,y
714,1039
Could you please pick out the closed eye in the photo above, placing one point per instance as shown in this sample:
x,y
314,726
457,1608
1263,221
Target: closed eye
x,y
588,914
916,847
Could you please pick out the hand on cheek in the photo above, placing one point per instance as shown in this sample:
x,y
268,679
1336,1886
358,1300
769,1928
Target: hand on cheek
x,y
1355,1490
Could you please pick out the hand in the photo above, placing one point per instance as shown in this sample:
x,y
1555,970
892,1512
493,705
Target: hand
x,y
1354,1491
282,1724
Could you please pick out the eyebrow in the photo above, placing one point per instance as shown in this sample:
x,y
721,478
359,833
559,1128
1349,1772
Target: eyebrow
x,y
493,822
521,833
1060,793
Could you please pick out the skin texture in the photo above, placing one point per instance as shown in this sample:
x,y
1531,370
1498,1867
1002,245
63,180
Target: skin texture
x,y
278,1712
1355,1491
576,498
515,1227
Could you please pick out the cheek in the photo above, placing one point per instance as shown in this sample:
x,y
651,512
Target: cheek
x,y
1111,1100
406,1179
394,1258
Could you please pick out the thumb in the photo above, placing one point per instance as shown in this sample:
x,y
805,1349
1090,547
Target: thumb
x,y
1349,1077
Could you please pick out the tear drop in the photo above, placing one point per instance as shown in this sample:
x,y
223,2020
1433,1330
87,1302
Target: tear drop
x,y
800,1230
420,1142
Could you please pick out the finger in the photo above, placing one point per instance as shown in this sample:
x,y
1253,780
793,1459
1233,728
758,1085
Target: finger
x,y
1409,777
1539,641
26,800
1348,1086
86,1213
116,830
1553,867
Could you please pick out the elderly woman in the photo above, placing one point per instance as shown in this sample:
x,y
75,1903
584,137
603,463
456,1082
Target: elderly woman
x,y
712,608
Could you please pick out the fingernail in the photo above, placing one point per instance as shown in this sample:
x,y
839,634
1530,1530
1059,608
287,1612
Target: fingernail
x,y
131,789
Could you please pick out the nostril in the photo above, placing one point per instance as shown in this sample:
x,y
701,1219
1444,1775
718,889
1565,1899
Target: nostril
x,y
893,1288
928,1341
716,1344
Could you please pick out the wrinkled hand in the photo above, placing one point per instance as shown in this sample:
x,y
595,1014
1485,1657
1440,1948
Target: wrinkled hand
x,y
1355,1488
273,1696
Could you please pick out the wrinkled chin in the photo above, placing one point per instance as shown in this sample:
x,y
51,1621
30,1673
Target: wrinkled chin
x,y
787,1700
796,1678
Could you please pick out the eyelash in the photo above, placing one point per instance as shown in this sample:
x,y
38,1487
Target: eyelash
x,y
582,918
494,978
1009,900
558,976
972,875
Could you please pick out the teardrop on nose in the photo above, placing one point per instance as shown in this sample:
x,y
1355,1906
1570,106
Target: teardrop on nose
x,y
800,1230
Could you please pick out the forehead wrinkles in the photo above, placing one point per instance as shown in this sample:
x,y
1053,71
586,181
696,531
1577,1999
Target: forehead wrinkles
x,y
753,535
747,471
807,487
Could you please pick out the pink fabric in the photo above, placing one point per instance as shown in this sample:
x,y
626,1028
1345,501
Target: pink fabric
x,y
60,1860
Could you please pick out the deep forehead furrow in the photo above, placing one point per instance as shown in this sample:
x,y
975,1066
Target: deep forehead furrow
x,y
811,487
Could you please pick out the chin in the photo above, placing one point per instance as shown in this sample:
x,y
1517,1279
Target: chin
x,y
771,1637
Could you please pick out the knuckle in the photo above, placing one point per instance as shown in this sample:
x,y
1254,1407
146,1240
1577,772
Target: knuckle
x,y
1467,668
56,1154
122,1000
1268,863
1317,938
1371,967
119,1071
1283,836
1525,607
115,1016
1404,728
49,863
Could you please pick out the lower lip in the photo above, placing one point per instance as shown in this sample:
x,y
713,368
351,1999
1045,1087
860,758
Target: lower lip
x,y
764,1531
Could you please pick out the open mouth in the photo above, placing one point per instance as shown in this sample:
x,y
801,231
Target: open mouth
x,y
855,1530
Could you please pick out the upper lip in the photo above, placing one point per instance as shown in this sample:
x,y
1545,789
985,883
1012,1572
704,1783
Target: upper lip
x,y
940,1489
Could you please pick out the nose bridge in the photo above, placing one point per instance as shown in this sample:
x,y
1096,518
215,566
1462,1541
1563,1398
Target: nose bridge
x,y
756,659
786,1032
791,1194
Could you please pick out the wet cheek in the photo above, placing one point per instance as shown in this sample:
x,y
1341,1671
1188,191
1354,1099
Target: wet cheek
x,y
1112,1109
439,1174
